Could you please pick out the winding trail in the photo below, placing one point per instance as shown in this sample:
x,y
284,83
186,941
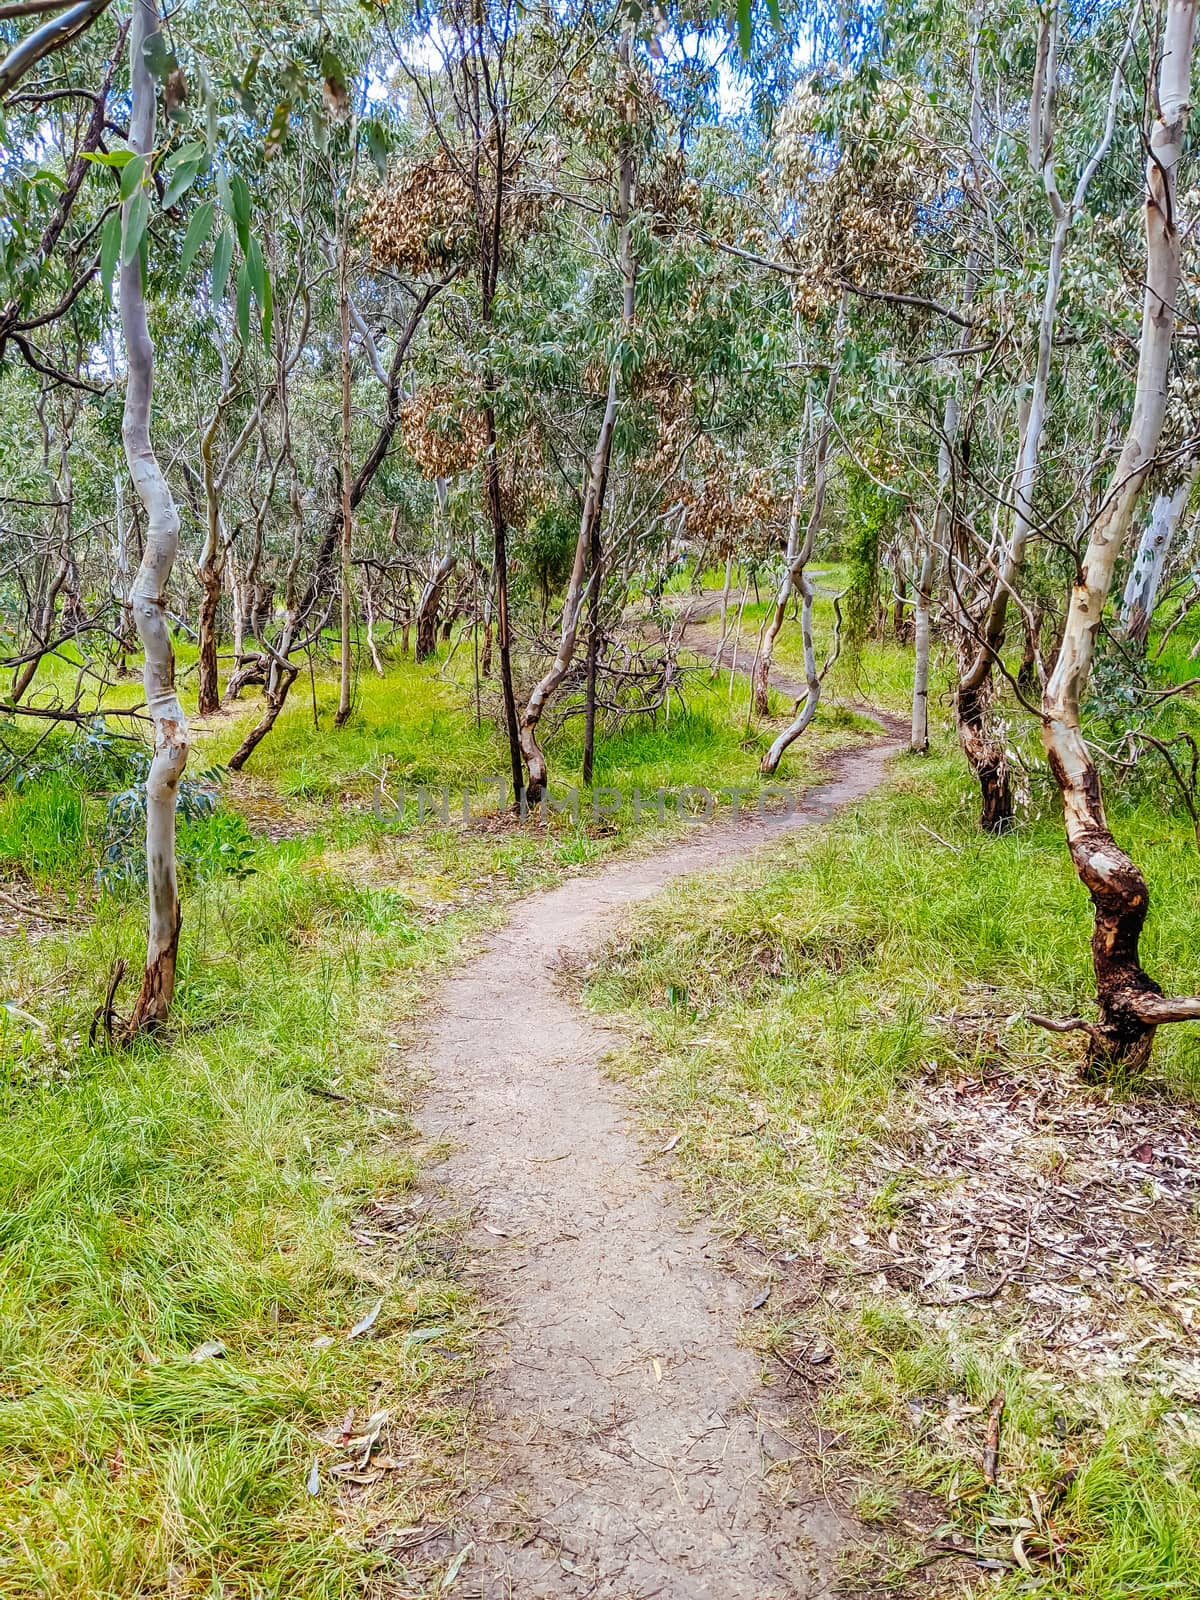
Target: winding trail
x,y
628,1448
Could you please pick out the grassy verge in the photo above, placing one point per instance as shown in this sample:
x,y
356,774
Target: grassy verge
x,y
944,1213
191,1228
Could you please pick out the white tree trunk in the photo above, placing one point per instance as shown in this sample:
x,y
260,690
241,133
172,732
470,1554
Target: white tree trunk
x,y
797,573
1145,575
1131,1003
984,752
149,592
716,666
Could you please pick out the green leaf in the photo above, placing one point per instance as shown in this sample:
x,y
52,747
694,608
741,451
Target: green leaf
x,y
243,303
222,255
745,24
211,124
223,192
182,180
240,196
110,249
377,146
184,156
137,214
132,176
198,229
109,158
254,269
245,89
277,132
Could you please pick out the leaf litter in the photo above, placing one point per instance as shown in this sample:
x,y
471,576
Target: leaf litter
x,y
1076,1206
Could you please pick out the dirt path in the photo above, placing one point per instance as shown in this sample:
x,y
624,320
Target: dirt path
x,y
629,1450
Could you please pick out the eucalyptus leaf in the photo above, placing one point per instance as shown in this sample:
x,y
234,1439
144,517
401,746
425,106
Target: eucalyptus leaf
x,y
137,214
131,177
110,251
243,302
240,197
198,229
182,180
222,256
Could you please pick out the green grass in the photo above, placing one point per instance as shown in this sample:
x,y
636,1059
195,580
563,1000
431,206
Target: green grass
x,y
213,1184
204,1187
788,1021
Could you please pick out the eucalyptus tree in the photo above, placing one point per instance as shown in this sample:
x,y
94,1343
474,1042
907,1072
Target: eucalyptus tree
x,y
1131,1004
588,544
982,627
148,596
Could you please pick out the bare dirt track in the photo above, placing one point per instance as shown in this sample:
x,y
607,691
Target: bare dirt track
x,y
628,1449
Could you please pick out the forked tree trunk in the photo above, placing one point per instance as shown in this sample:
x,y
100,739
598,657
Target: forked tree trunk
x,y
1145,575
279,682
984,750
1131,1004
430,605
593,501
148,595
788,585
806,709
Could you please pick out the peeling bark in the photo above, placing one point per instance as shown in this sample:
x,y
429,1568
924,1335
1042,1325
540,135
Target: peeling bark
x,y
1145,574
984,751
1131,1005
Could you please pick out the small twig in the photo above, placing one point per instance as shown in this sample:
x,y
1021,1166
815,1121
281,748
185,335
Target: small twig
x,y
957,849
991,1449
1062,1024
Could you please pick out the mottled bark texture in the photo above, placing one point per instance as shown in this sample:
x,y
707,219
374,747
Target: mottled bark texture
x,y
148,595
1131,1004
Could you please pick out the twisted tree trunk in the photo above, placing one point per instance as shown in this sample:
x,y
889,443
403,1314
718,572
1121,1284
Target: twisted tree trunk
x,y
796,578
148,595
1131,1004
788,584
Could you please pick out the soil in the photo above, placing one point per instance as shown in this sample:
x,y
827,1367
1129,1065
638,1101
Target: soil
x,y
626,1446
